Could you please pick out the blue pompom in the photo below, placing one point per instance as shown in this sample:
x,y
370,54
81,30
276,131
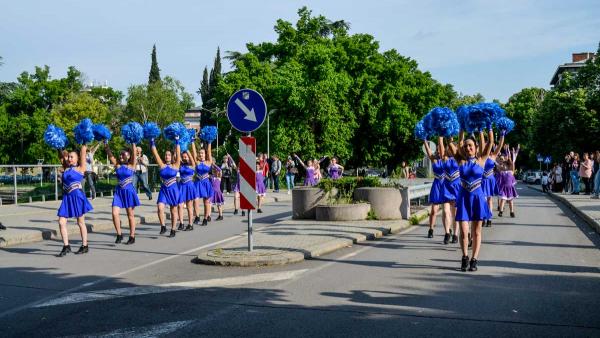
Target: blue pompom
x,y
444,121
192,133
462,114
174,129
208,134
504,123
421,131
101,132
151,130
483,115
132,132
55,137
84,132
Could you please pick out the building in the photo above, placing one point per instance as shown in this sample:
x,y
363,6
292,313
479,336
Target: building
x,y
578,60
192,117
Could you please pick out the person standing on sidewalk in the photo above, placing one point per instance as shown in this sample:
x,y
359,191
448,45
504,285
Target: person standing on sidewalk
x,y
141,171
275,171
585,172
227,173
596,175
566,170
575,174
89,174
290,173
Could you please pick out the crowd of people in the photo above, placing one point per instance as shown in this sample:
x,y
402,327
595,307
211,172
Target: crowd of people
x,y
568,176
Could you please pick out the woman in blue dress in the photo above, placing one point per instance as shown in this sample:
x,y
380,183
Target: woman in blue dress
x,y
488,183
169,190
74,203
437,195
203,184
471,205
452,184
187,190
125,195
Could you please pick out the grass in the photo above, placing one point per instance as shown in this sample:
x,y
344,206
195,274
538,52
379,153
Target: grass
x,y
416,219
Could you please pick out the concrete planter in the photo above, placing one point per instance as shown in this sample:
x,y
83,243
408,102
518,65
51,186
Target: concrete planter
x,y
386,202
343,212
306,199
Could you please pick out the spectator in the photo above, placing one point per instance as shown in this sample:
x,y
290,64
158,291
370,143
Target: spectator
x,y
405,170
290,173
585,172
574,172
597,174
275,171
141,171
89,174
566,168
557,179
545,182
227,168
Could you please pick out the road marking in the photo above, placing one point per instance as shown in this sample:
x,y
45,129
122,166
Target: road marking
x,y
144,331
80,297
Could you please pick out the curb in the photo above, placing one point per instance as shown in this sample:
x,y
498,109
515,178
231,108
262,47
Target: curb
x,y
585,217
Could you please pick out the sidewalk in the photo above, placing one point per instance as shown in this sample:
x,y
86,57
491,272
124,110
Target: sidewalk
x,y
34,222
582,205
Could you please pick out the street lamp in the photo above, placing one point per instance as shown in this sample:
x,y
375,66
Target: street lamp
x,y
272,111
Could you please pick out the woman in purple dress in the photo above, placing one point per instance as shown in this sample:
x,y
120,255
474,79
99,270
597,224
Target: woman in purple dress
x,y
125,195
507,181
74,203
187,190
261,190
217,198
335,170
203,184
309,180
169,191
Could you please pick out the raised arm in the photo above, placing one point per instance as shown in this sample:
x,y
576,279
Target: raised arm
x,y
500,144
442,149
488,147
159,161
428,150
217,168
231,162
209,153
132,156
299,160
110,155
192,159
94,148
82,154
178,158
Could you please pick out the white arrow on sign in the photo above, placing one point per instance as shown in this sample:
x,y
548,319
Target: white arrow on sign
x,y
249,112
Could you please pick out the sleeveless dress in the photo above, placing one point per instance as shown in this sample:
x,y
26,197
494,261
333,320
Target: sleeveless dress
x,y
187,187
169,191
125,194
203,184
261,190
506,184
309,180
472,202
236,187
335,172
437,194
452,179
488,183
217,197
74,203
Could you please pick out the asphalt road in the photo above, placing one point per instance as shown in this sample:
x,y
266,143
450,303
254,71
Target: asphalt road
x,y
539,275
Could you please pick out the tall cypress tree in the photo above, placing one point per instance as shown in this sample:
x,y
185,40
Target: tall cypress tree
x,y
213,81
154,70
204,87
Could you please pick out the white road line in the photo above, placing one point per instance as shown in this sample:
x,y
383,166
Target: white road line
x,y
80,297
144,331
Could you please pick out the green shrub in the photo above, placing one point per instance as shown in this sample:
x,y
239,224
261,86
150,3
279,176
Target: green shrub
x,y
345,187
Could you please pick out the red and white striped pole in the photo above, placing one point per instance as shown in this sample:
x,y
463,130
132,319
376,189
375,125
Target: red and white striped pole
x,y
247,170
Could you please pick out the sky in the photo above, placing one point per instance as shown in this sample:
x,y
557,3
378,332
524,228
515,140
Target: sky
x,y
495,48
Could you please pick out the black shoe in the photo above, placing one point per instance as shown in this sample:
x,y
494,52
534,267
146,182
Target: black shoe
x,y
259,211
180,227
220,218
197,220
204,222
131,240
2,227
163,229
470,241
512,214
235,212
454,239
473,264
82,250
499,213
447,238
430,233
464,263
488,223
209,218
65,250
243,213
189,227
172,234
119,239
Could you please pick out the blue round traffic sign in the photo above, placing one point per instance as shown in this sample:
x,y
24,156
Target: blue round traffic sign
x,y
246,110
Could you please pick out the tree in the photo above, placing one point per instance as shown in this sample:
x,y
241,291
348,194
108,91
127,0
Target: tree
x,y
204,90
523,108
209,84
154,75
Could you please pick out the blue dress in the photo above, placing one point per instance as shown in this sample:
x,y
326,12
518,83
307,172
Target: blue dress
x,y
187,188
488,183
125,194
472,203
437,195
452,179
74,203
169,190
203,184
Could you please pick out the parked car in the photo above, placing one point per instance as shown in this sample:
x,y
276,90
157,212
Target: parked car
x,y
533,177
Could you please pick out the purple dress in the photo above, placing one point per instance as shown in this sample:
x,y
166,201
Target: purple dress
x,y
125,194
74,203
187,188
452,179
217,197
236,187
437,194
471,204
309,180
335,172
488,183
506,185
169,191
203,184
260,184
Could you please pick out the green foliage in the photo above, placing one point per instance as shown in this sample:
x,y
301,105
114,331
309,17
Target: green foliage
x,y
154,75
345,187
372,215
335,93
523,107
